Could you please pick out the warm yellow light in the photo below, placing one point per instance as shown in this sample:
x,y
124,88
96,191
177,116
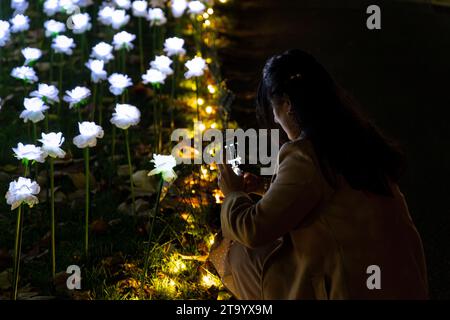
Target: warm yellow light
x,y
176,265
200,101
214,125
207,23
209,280
210,11
208,60
223,1
206,15
202,127
209,109
211,89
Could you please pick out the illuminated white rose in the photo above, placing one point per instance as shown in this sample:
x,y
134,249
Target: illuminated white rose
x,y
196,67
20,23
29,152
47,93
51,7
196,7
102,51
24,73
34,110
53,28
178,7
162,63
123,4
164,165
118,83
125,116
156,17
67,6
81,22
31,55
63,44
97,70
5,34
122,40
51,144
174,46
89,133
119,18
19,6
105,15
77,96
140,8
22,190
154,76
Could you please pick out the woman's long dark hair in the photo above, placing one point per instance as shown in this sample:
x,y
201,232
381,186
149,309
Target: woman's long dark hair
x,y
345,142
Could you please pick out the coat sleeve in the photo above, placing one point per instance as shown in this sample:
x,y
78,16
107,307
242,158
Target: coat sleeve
x,y
291,196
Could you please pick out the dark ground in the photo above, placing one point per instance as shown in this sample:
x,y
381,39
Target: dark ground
x,y
400,75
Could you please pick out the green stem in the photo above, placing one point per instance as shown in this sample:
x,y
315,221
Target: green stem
x,y
196,93
86,217
17,249
100,108
51,62
36,169
122,55
60,85
173,93
130,169
95,102
155,119
52,193
158,196
141,46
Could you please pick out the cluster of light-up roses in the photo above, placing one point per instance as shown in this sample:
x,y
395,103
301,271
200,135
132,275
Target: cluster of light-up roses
x,y
113,14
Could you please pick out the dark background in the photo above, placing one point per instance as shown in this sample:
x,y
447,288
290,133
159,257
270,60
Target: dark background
x,y
399,74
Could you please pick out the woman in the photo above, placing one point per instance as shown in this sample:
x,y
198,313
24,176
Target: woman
x,y
333,223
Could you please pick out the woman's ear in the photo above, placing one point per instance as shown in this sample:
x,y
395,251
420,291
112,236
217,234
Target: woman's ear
x,y
288,105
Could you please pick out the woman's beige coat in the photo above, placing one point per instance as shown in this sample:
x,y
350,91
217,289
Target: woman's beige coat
x,y
327,239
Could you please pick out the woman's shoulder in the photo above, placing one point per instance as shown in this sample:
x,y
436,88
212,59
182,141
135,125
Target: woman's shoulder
x,y
300,148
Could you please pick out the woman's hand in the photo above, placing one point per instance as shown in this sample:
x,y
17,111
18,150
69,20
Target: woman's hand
x,y
253,183
228,180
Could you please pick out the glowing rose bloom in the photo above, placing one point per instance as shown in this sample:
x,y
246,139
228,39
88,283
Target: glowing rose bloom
x,y
156,17
154,76
89,133
63,44
4,33
19,6
31,55
119,18
123,4
164,165
51,144
162,63
140,8
67,6
102,51
81,22
29,152
34,110
178,7
51,7
22,190
97,70
125,116
105,15
20,23
118,83
25,73
122,40
196,67
53,28
196,7
174,46
77,96
47,93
